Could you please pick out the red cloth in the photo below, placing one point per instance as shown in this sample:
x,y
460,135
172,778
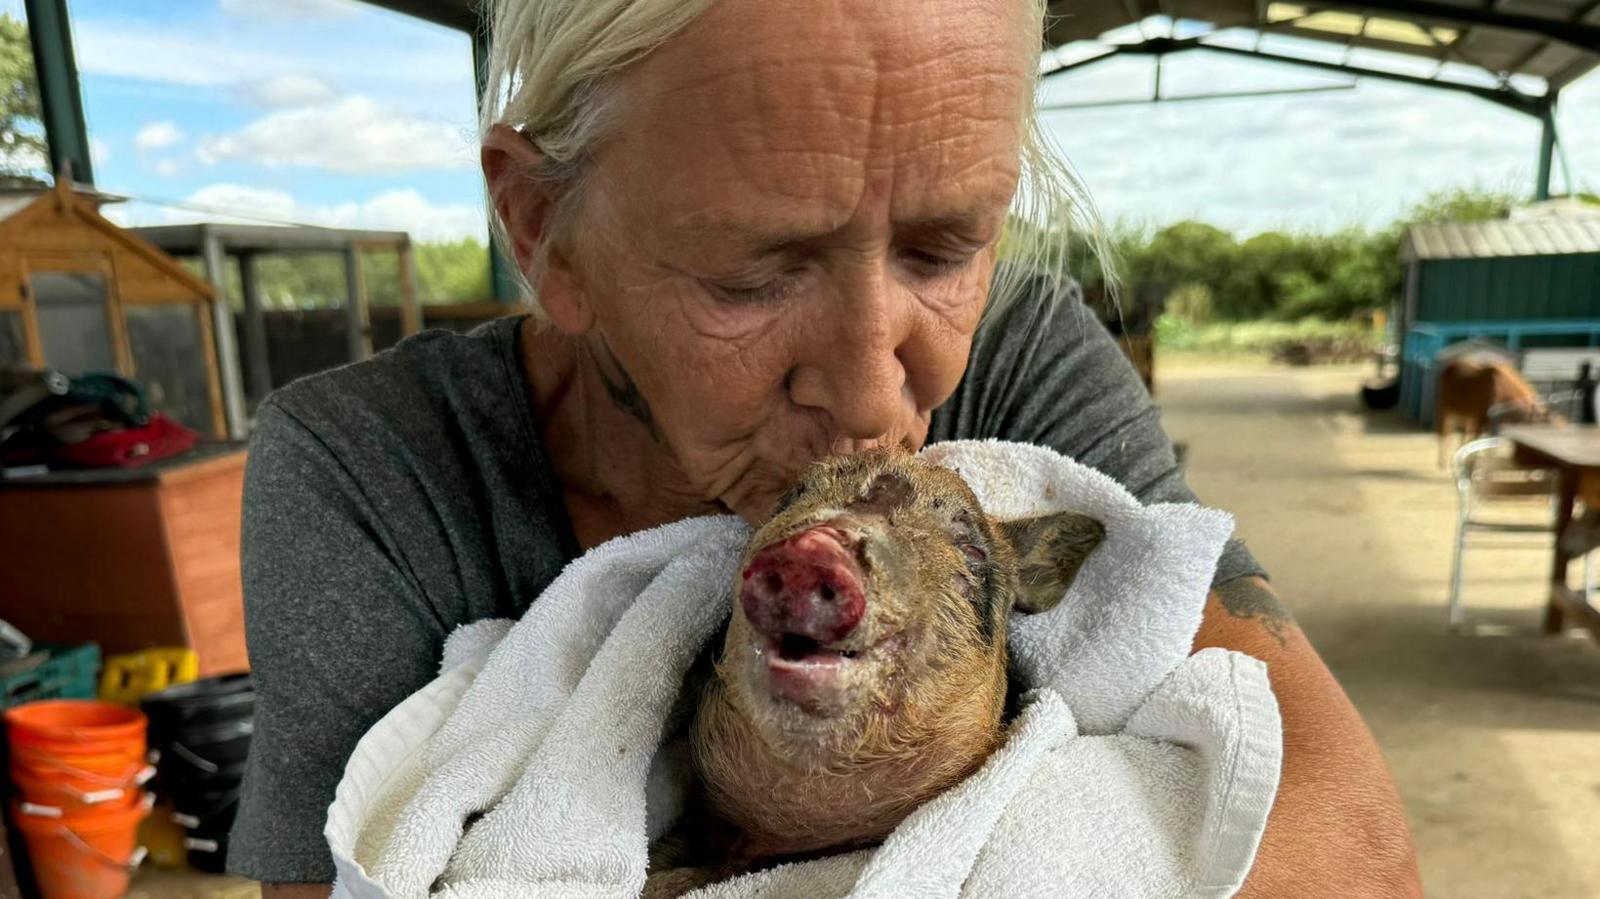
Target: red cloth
x,y
130,447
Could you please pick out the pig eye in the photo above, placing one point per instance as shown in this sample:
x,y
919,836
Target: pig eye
x,y
789,498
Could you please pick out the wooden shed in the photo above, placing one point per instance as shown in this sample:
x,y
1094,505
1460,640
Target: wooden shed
x,y
79,294
1525,283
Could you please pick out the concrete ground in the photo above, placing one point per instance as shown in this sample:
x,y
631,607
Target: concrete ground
x,y
1493,734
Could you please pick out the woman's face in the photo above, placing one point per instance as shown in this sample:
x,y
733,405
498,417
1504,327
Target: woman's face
x,y
788,241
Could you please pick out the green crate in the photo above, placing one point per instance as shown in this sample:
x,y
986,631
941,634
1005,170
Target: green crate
x,y
71,672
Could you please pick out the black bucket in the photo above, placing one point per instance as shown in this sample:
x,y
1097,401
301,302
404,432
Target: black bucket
x,y
202,732
214,700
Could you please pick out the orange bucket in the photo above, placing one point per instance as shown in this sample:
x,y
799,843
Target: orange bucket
x,y
102,770
74,792
87,855
76,755
77,727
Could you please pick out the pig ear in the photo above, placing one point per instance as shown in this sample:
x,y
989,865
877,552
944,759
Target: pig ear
x,y
1050,550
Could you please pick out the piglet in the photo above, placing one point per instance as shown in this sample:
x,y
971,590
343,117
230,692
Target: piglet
x,y
864,667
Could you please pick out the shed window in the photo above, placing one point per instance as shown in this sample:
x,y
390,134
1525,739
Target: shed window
x,y
72,321
169,360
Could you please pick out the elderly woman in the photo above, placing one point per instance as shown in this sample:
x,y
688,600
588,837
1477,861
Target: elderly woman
x,y
757,233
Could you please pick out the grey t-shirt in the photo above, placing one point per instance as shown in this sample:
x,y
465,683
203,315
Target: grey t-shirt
x,y
388,502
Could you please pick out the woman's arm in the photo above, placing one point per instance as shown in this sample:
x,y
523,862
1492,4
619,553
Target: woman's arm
x,y
338,634
1045,371
1337,828
296,890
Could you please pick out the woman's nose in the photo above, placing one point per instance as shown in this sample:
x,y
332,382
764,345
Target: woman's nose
x,y
854,368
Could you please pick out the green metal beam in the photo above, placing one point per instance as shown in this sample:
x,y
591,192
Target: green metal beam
x,y
60,98
1547,148
502,281
1507,97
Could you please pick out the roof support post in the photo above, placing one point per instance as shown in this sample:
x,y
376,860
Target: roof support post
x,y
410,308
60,98
1547,146
255,330
358,326
233,397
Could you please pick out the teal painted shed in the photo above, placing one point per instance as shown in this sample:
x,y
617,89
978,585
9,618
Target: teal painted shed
x,y
1525,283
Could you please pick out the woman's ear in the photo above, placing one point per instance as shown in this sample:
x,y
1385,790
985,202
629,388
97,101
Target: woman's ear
x,y
524,205
1050,549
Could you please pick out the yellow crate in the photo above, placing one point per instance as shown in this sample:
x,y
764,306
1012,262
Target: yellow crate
x,y
128,678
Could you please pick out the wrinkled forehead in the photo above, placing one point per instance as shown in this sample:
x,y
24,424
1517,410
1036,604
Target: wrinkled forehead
x,y
823,101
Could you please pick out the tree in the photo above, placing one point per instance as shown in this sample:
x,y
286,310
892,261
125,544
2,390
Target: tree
x,y
1462,204
22,144
455,272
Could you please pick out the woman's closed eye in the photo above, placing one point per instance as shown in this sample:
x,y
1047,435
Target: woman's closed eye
x,y
769,290
934,263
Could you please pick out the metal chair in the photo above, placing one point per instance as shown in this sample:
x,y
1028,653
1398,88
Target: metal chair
x,y
1485,473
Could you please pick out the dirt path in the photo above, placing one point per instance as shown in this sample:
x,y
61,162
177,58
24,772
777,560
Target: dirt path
x,y
1494,735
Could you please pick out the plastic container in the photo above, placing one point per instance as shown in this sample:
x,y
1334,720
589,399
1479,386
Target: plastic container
x,y
76,727
77,756
101,770
68,673
202,732
163,837
71,792
211,701
128,678
89,855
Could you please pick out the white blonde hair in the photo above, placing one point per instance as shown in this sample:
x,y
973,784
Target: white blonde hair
x,y
552,68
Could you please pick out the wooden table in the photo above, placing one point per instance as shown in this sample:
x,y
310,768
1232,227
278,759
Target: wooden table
x,y
1574,452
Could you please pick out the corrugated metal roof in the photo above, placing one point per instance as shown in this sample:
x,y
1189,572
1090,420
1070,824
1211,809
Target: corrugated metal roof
x,y
1486,240
1501,38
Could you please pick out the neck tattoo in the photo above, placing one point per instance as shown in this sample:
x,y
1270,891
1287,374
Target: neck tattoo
x,y
623,391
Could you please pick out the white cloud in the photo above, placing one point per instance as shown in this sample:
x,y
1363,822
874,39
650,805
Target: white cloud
x,y
99,151
122,46
134,49
407,210
395,210
354,136
167,168
291,89
290,9
157,136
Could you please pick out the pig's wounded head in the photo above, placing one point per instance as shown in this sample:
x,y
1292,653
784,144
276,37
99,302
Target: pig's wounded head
x,y
865,664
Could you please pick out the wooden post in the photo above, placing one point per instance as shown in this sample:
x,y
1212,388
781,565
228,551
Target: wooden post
x,y
116,321
208,348
358,332
31,338
233,398
410,308
255,330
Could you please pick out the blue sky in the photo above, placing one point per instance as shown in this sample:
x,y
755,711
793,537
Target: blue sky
x,y
334,112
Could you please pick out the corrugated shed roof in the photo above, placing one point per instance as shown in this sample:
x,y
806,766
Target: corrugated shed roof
x,y
1498,239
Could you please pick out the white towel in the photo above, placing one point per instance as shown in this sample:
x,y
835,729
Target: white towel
x,y
1133,770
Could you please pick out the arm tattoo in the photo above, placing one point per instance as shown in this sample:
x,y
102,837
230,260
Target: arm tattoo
x,y
1244,598
623,391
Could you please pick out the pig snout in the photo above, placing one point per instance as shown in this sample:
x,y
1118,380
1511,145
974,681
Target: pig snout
x,y
807,585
